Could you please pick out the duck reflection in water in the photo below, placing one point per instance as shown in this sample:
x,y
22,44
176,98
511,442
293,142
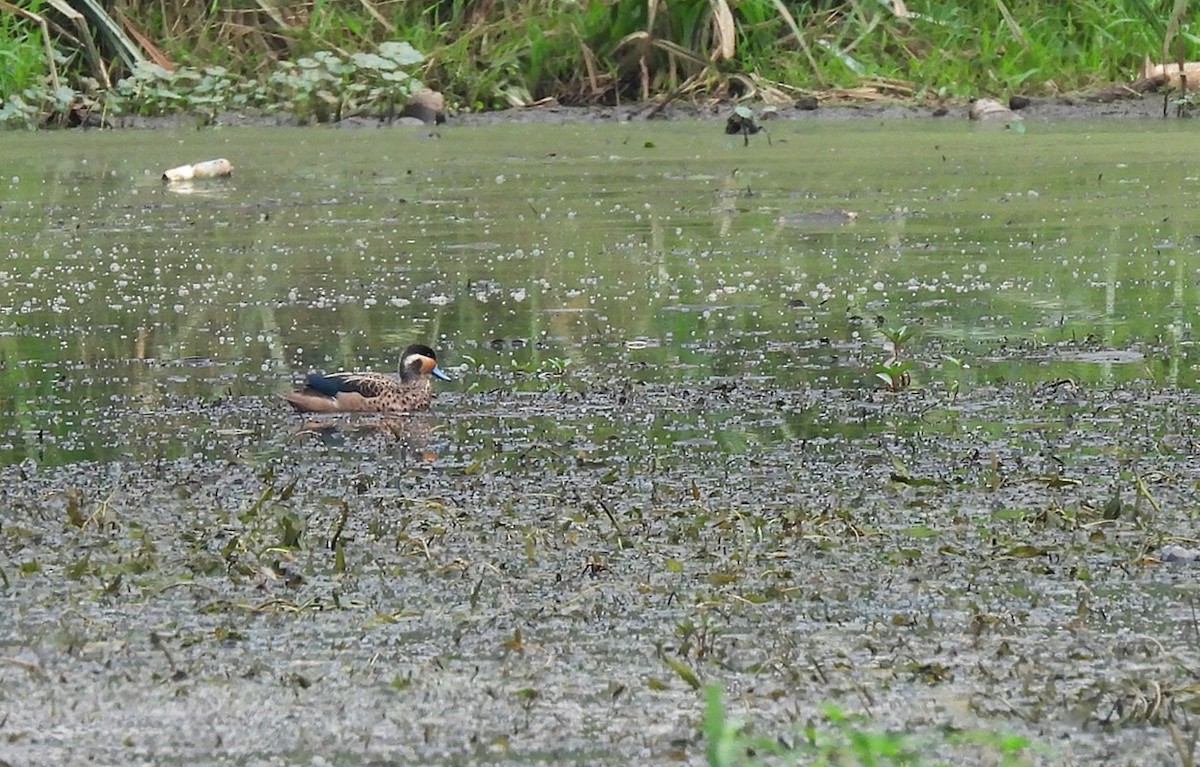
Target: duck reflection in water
x,y
408,435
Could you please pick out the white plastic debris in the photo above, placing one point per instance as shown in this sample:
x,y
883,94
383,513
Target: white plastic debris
x,y
219,168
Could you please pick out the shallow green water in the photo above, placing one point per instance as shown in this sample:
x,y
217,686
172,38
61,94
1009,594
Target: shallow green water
x,y
141,320
666,442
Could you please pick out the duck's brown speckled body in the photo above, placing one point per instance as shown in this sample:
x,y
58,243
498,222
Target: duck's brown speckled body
x,y
368,392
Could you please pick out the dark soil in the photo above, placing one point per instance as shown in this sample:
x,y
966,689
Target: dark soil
x,y
1042,109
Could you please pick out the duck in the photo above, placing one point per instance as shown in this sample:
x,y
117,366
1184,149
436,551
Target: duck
x,y
371,392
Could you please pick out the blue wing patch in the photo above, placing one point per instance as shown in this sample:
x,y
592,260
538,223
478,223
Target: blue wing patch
x,y
367,384
327,385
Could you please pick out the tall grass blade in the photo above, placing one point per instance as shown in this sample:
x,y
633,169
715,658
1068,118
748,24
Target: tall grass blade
x,y
675,49
1152,17
273,14
41,22
790,20
152,51
847,60
1013,26
379,17
112,33
726,31
1173,29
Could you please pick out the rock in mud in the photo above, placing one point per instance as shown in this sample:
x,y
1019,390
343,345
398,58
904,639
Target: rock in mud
x,y
426,105
990,109
1174,553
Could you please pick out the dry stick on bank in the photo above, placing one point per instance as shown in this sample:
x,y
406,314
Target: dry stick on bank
x,y
155,53
1119,91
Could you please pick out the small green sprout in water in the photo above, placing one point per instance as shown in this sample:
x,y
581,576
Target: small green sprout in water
x,y
894,374
894,371
554,367
953,366
550,369
897,338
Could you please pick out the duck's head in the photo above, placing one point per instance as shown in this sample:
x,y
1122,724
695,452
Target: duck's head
x,y
419,360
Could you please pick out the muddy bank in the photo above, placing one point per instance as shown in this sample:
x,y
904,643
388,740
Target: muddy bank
x,y
1150,106
1038,109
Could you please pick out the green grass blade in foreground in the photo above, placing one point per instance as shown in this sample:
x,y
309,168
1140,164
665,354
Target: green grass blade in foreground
x,y
848,740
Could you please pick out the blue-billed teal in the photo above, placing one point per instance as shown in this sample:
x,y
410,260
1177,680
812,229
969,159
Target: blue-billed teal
x,y
357,392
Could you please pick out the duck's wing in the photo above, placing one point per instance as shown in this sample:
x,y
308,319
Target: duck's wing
x,y
368,385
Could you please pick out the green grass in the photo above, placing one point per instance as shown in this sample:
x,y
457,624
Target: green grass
x,y
844,740
485,56
22,54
